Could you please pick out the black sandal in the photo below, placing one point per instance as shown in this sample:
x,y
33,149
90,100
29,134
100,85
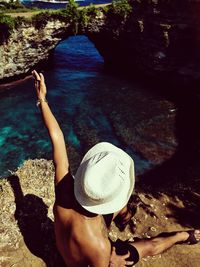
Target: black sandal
x,y
191,239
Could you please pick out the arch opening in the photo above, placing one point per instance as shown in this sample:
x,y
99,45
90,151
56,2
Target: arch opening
x,y
77,53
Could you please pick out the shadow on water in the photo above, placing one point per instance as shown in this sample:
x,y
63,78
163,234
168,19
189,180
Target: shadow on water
x,y
36,228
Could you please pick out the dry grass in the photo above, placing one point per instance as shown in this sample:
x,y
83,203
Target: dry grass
x,y
25,14
29,14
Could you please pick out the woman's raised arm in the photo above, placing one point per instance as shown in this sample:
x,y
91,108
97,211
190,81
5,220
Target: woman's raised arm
x,y
60,158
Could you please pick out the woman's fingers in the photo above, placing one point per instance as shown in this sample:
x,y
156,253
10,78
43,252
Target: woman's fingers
x,y
41,77
42,81
39,84
36,75
37,79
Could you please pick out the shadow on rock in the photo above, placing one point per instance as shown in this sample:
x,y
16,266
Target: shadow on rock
x,y
187,216
37,229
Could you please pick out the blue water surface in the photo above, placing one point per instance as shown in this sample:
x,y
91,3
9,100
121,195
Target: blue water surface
x,y
74,79
47,5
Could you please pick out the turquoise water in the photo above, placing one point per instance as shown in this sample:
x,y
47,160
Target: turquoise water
x,y
75,81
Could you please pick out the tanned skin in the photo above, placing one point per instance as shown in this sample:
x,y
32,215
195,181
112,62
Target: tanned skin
x,y
81,236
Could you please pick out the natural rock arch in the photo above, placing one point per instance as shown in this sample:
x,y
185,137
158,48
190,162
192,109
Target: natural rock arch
x,y
151,39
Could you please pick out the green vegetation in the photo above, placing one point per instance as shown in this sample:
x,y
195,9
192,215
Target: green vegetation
x,y
7,24
71,10
87,14
70,14
12,6
119,9
74,15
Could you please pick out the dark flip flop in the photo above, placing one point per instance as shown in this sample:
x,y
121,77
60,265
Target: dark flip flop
x,y
191,239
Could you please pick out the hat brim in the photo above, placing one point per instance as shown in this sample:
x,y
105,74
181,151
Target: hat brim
x,y
122,198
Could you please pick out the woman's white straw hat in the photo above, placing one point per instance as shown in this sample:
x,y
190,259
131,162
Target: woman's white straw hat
x,y
105,179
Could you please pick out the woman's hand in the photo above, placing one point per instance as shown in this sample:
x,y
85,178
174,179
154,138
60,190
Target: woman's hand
x,y
119,260
40,86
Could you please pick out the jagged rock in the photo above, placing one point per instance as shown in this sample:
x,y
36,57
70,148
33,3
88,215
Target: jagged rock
x,y
159,39
27,46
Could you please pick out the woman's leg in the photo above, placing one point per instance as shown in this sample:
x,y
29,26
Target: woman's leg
x,y
157,245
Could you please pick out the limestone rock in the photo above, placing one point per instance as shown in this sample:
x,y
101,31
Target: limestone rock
x,y
27,46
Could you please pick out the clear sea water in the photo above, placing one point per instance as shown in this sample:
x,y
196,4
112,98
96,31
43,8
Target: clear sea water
x,y
74,79
45,5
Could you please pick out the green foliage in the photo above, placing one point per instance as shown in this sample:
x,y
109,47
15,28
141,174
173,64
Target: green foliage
x,y
120,8
87,14
12,5
7,20
72,10
70,14
75,17
7,24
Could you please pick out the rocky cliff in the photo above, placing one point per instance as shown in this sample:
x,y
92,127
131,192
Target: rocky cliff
x,y
28,46
157,38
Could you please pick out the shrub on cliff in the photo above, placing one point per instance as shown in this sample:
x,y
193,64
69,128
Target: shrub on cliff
x,y
12,5
87,14
70,15
7,24
120,9
71,10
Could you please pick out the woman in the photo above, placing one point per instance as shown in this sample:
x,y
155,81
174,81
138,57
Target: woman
x,y
102,186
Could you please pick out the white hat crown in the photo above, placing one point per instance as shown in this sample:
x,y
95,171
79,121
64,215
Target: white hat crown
x,y
105,179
